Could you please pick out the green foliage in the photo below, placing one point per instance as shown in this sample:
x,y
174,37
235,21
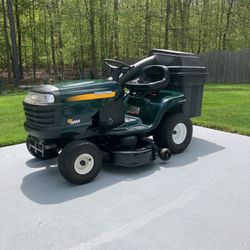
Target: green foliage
x,y
195,26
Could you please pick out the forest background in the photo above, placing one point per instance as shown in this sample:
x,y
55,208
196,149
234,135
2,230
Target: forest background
x,y
62,37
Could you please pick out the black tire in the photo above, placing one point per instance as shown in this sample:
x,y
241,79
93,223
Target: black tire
x,y
48,154
166,135
80,162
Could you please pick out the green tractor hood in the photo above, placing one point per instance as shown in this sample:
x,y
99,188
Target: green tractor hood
x,y
73,107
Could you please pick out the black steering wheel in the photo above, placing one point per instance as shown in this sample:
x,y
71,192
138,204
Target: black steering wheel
x,y
115,64
117,68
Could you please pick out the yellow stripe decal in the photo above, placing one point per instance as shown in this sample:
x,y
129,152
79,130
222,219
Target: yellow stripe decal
x,y
93,96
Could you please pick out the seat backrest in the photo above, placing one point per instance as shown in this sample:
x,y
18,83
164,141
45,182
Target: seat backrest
x,y
151,78
152,73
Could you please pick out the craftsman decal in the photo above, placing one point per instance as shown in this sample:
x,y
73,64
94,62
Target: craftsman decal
x,y
92,96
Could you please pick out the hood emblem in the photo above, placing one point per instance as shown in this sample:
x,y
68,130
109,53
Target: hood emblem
x,y
70,121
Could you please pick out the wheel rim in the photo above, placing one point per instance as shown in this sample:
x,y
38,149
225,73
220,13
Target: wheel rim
x,y
84,164
179,133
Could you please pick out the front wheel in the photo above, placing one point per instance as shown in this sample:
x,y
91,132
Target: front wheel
x,y
80,162
175,132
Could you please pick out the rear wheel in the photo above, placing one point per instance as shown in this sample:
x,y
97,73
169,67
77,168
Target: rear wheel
x,y
46,154
175,132
80,162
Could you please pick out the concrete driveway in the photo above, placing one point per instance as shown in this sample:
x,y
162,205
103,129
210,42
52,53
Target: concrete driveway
x,y
200,199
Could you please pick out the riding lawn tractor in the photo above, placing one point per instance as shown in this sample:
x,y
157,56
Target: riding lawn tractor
x,y
88,122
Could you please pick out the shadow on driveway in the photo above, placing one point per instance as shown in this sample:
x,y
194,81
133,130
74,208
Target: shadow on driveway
x,y
46,186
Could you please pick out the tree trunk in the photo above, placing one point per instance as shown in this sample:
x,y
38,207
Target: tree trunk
x,y
225,34
102,30
182,25
61,57
25,53
92,32
60,40
15,56
115,28
175,29
7,44
45,41
217,25
162,14
91,18
204,24
147,34
19,39
81,48
81,33
184,7
33,39
52,41
222,12
167,24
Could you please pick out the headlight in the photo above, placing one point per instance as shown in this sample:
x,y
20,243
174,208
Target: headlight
x,y
38,98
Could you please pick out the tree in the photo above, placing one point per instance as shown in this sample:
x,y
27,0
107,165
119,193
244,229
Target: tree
x,y
52,39
81,34
58,4
102,24
147,32
228,19
91,19
15,55
45,31
19,38
184,8
175,27
116,28
58,34
167,24
7,44
33,32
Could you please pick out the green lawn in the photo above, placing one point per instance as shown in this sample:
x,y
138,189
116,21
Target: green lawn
x,y
11,119
225,107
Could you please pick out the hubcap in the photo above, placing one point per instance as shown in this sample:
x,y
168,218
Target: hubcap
x,y
179,133
84,164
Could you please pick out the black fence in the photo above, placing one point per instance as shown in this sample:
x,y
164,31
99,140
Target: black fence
x,y
228,67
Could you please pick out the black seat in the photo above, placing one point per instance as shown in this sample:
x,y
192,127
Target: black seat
x,y
151,78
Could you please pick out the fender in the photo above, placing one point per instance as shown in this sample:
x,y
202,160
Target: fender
x,y
152,109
